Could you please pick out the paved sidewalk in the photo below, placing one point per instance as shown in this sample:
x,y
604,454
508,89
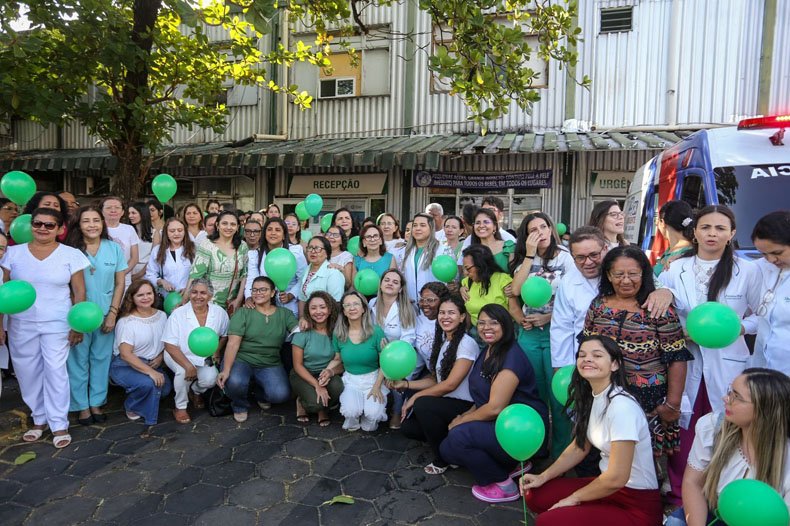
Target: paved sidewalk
x,y
269,470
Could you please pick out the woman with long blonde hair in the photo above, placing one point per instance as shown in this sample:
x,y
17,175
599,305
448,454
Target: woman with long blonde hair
x,y
748,440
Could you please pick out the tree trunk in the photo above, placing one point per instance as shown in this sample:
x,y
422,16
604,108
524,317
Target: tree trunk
x,y
131,173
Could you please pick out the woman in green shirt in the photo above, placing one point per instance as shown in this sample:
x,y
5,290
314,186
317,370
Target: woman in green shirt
x,y
253,351
359,342
314,377
484,283
675,222
486,233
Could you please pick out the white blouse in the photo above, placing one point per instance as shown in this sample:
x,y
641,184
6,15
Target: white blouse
x,y
467,350
737,467
183,321
143,334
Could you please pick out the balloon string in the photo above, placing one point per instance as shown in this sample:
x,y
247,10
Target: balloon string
x,y
523,493
716,517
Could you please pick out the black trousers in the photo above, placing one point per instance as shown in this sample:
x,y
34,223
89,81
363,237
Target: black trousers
x,y
429,420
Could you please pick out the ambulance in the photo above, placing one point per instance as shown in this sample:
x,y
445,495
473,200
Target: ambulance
x,y
746,168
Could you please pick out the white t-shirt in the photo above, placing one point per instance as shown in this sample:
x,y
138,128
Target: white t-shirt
x,y
342,259
143,334
198,239
126,236
738,467
467,350
143,253
425,334
183,321
50,278
622,420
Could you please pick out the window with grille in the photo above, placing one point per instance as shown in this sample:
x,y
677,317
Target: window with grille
x,y
617,20
338,87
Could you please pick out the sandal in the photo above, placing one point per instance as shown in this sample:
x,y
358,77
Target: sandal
x,y
323,419
31,435
181,416
301,414
61,441
433,469
132,416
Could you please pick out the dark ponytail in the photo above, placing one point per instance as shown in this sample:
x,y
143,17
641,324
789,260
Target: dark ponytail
x,y
723,273
680,216
448,361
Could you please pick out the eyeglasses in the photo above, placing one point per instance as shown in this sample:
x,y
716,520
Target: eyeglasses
x,y
470,267
770,296
10,208
632,276
315,249
429,301
261,290
352,305
332,234
615,215
491,323
593,256
372,237
252,232
731,397
486,222
46,224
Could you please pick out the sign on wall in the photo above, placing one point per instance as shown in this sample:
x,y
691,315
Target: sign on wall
x,y
532,179
610,184
345,184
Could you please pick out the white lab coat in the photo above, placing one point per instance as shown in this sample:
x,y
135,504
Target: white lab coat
x,y
571,304
175,271
417,276
293,287
392,327
719,367
773,328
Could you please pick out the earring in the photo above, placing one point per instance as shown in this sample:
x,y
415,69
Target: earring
x,y
694,241
729,242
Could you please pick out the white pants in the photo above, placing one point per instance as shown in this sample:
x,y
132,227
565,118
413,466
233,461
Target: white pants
x,y
354,401
206,378
39,361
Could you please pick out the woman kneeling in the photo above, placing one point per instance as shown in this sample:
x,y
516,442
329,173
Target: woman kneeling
x,y
609,418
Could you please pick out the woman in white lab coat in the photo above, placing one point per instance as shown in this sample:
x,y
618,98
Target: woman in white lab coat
x,y
170,262
275,235
710,271
419,253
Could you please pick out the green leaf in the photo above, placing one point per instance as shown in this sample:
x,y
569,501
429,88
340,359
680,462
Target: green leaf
x,y
342,499
24,457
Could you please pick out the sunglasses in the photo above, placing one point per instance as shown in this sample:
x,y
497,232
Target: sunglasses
x,y
45,224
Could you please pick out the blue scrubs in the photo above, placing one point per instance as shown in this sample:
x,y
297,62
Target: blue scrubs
x,y
89,362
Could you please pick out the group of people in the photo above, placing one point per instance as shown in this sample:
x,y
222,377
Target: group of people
x,y
641,388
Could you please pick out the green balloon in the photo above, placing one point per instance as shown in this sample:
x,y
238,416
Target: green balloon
x,y
536,292
164,187
353,245
313,204
560,383
301,211
280,266
748,502
85,317
444,268
520,431
18,187
713,325
326,222
171,300
20,229
203,342
367,282
16,296
561,229
306,236
398,360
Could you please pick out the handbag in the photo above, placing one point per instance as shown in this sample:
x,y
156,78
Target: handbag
x,y
217,402
228,307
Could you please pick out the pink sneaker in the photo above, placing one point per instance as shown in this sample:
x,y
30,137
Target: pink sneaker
x,y
493,493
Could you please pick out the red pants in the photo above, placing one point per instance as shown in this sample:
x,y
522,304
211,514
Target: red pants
x,y
627,507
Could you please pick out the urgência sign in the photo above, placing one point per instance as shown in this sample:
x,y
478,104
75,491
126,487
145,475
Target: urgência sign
x,y
610,184
340,184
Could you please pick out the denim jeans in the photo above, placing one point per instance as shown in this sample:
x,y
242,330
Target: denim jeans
x,y
678,518
142,395
271,385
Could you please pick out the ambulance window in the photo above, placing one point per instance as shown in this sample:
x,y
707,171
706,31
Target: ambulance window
x,y
693,192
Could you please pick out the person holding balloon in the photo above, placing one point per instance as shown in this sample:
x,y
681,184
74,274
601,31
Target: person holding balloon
x,y
341,259
255,337
138,353
89,361
194,373
418,255
374,252
275,235
359,341
539,253
453,230
746,443
609,418
222,259
316,366
444,394
501,376
318,275
710,272
171,261
39,335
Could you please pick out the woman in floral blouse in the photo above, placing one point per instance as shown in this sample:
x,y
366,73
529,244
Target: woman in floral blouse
x,y
653,347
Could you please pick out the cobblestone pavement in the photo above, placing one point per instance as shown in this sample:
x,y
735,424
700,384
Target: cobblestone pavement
x,y
269,470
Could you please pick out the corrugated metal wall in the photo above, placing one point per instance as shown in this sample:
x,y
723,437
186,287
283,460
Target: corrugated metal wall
x,y
780,73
